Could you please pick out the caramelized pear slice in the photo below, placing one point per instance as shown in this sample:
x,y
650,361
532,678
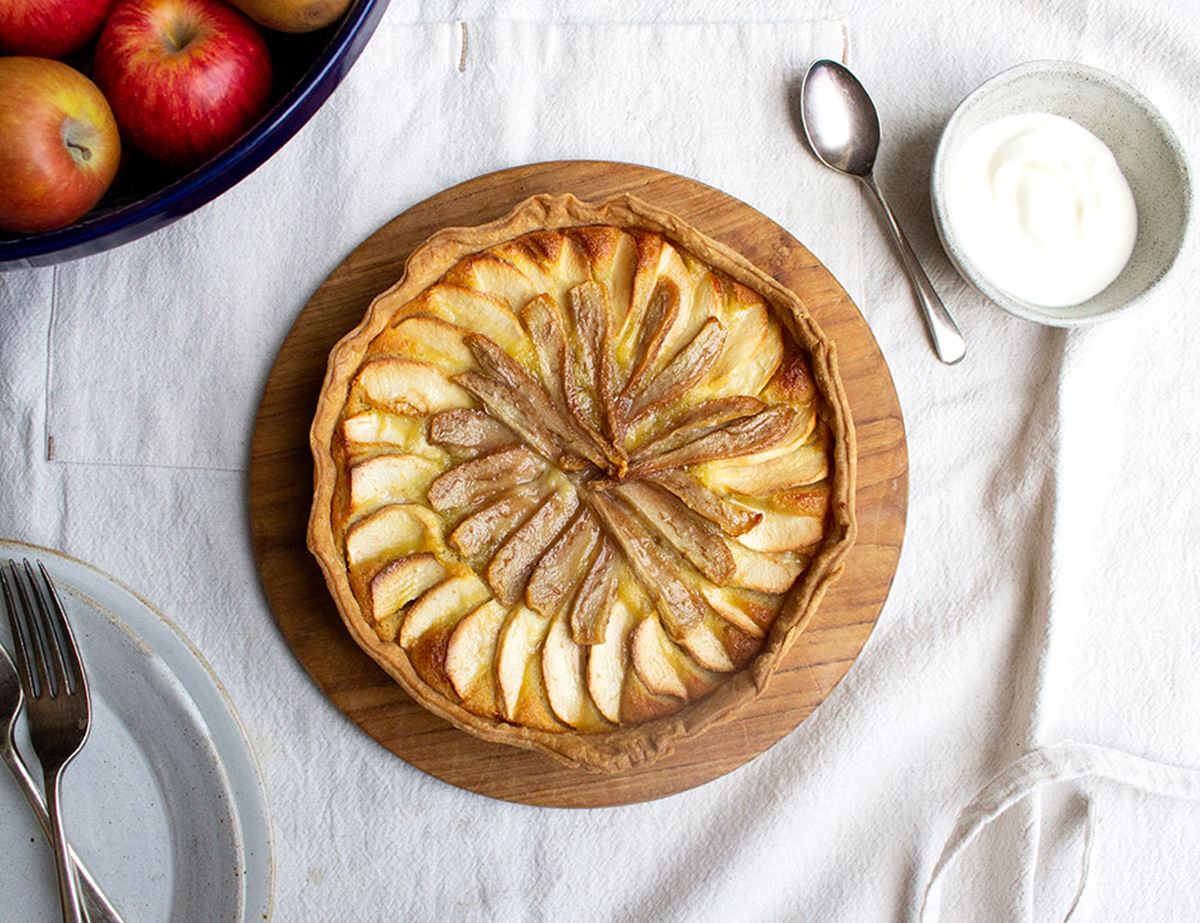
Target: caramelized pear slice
x,y
733,440
533,708
791,463
587,374
698,421
686,368
608,662
694,307
732,518
549,259
469,429
752,612
444,604
592,317
659,318
378,427
752,354
613,255
563,672
394,530
545,325
477,312
705,645
694,537
557,574
471,653
784,531
509,570
401,581
763,571
516,653
649,255
542,320
427,339
508,406
793,382
409,387
594,599
648,652
386,479
483,272
810,500
474,481
660,265
482,532
428,655
740,646
586,418
679,605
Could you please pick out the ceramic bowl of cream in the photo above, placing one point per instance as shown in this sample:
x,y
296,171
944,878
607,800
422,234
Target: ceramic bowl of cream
x,y
1060,193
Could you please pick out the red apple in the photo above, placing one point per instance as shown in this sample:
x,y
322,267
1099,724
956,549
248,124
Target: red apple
x,y
49,28
59,145
184,77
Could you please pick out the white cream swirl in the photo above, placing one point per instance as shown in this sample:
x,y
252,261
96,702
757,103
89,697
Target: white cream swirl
x,y
1042,209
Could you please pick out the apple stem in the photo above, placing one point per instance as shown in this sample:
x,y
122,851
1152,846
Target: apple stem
x,y
79,151
180,35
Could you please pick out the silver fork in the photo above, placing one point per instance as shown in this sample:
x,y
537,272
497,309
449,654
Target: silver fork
x,y
98,907
60,709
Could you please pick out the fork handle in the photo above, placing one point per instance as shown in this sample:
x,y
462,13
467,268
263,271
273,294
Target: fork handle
x,y
68,891
98,907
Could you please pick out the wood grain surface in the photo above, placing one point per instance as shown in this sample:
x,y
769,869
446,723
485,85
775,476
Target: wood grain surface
x,y
281,492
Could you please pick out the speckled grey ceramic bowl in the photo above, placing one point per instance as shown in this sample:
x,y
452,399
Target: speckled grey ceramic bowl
x,y
1144,145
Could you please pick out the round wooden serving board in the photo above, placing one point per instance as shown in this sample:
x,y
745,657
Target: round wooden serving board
x,y
281,493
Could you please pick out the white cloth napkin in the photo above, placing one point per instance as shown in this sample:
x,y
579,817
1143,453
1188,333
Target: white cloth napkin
x,y
1048,587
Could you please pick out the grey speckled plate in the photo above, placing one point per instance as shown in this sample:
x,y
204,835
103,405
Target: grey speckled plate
x,y
165,803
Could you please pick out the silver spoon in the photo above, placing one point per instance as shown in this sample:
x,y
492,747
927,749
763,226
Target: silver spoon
x,y
842,129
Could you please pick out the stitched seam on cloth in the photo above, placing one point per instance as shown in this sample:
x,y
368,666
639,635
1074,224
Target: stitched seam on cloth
x,y
147,466
462,57
48,437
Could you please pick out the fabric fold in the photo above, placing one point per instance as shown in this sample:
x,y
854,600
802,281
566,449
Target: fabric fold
x,y
1066,761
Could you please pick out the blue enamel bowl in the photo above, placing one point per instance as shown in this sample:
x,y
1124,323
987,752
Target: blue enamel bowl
x,y
145,198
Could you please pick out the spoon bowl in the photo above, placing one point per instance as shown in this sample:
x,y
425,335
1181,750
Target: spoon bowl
x,y
839,119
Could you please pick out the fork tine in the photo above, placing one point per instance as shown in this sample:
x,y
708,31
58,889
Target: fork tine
x,y
56,616
14,624
40,644
17,620
56,663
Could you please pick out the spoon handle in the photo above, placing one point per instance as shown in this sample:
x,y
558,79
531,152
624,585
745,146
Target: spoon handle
x,y
948,342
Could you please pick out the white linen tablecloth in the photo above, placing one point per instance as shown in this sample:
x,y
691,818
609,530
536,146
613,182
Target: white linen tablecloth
x,y
1048,590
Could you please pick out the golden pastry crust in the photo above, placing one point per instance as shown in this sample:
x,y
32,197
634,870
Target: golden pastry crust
x,y
581,487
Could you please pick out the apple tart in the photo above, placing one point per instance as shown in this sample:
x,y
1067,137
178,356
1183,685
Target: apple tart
x,y
582,475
